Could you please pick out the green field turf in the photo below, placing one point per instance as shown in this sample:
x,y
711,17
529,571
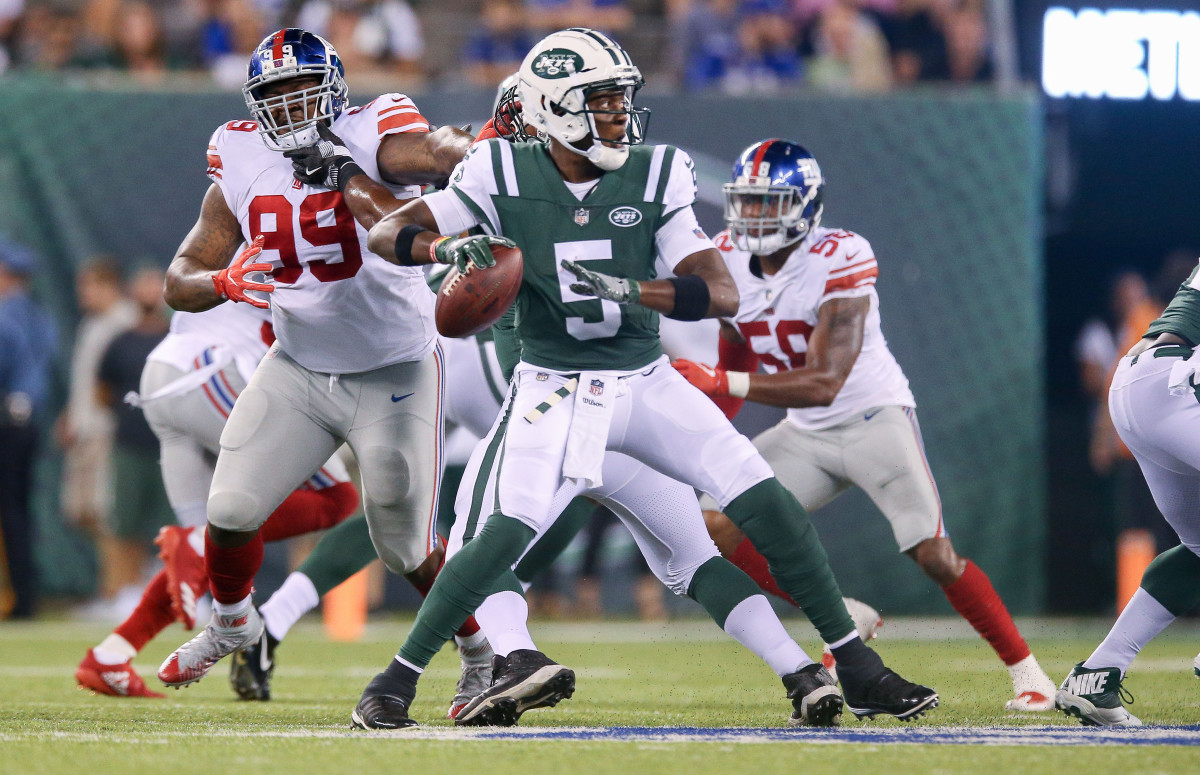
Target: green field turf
x,y
684,674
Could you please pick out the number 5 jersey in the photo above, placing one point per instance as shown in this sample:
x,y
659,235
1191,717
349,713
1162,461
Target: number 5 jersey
x,y
337,308
778,313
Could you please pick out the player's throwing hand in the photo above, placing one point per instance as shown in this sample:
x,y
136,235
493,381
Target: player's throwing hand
x,y
461,252
231,282
619,289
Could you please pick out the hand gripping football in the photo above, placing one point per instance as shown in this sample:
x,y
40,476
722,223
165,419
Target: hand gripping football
x,y
470,302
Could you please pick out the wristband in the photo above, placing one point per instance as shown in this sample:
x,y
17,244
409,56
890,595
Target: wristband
x,y
433,259
345,172
691,298
404,242
739,383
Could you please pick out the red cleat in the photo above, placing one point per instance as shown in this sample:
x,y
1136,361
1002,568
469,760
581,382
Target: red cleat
x,y
114,680
186,578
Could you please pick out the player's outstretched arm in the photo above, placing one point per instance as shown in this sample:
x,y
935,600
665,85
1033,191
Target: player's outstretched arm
x,y
205,253
702,288
420,158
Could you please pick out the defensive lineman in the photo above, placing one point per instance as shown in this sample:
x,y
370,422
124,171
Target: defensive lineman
x,y
592,196
1155,405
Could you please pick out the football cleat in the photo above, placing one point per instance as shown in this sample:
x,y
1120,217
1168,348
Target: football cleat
x,y
114,680
815,697
867,622
893,696
384,705
223,636
1196,666
1033,688
1095,697
187,581
476,676
251,668
522,681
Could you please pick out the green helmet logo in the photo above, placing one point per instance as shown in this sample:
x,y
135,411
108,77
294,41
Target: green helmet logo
x,y
557,63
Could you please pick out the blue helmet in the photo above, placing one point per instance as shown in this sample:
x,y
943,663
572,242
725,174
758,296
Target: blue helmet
x,y
283,55
775,197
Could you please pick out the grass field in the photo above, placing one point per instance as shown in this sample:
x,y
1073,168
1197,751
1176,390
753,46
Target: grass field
x,y
671,678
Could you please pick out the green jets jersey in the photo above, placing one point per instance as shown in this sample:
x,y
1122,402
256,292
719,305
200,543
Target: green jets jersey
x,y
516,190
1182,315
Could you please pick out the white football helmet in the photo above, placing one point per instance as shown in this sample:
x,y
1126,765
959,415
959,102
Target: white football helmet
x,y
556,79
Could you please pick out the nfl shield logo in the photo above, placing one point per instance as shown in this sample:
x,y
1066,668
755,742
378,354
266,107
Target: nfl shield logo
x,y
597,387
581,216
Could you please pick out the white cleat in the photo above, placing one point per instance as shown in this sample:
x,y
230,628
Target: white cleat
x,y
866,620
223,636
1033,688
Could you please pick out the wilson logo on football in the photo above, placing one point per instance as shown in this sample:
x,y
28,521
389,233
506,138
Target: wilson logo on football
x,y
625,216
557,63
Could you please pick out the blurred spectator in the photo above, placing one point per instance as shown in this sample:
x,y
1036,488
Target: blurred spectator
x,y
496,50
806,12
917,44
374,38
708,42
967,57
10,17
47,38
767,59
85,428
850,52
143,37
140,505
229,31
609,16
28,349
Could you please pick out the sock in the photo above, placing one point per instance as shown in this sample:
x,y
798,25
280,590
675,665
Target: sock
x,y
504,617
975,599
779,527
232,609
463,584
294,598
305,511
231,571
754,565
1143,618
114,650
152,615
1173,579
471,642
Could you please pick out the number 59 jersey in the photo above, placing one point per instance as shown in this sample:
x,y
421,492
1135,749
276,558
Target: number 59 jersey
x,y
778,313
336,308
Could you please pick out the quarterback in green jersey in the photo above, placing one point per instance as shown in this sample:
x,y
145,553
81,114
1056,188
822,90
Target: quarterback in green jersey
x,y
1155,406
591,209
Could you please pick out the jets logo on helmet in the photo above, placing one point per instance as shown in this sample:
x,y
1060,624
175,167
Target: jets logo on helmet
x,y
775,197
284,55
558,76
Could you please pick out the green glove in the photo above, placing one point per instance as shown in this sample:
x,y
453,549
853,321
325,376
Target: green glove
x,y
619,289
462,251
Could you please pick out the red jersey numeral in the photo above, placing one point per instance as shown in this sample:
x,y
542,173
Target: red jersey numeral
x,y
829,245
784,330
242,126
342,232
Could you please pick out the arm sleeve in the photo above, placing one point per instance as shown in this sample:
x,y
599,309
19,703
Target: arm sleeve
x,y
852,269
467,201
395,113
680,235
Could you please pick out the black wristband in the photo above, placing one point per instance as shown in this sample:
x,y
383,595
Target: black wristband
x,y
344,172
691,298
404,241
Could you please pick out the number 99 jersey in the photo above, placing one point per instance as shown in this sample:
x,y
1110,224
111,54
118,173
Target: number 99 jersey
x,y
337,308
778,313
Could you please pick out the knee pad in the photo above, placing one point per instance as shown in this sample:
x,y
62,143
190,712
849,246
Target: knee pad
x,y
235,511
386,477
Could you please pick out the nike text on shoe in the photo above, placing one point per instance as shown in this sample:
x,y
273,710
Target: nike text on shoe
x,y
475,679
1033,689
1095,697
384,705
114,680
815,697
522,681
867,622
893,696
223,636
250,668
186,577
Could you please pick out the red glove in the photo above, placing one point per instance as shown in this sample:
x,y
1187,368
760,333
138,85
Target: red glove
x,y
231,283
713,383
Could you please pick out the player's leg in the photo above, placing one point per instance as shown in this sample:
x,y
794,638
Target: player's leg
x,y
885,456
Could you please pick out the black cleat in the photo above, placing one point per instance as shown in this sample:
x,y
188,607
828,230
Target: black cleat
x,y
892,696
522,681
815,697
251,668
384,705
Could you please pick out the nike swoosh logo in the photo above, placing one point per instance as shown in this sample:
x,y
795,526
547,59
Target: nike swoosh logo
x,y
866,416
397,399
311,171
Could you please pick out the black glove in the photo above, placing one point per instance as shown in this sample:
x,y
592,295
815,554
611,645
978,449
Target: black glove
x,y
328,163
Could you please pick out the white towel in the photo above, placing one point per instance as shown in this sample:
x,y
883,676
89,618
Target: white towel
x,y
588,435
222,357
1181,381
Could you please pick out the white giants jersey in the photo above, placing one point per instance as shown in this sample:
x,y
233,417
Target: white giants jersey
x,y
241,332
336,308
778,312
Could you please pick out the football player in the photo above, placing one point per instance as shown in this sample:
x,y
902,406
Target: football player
x,y
809,314
188,387
356,359
592,377
1154,401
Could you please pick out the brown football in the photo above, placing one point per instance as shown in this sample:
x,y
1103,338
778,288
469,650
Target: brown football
x,y
470,302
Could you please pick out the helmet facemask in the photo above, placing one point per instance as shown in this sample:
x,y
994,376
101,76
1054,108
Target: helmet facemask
x,y
323,101
764,218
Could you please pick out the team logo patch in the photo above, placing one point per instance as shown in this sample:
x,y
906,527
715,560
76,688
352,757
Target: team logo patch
x,y
596,387
625,216
557,63
542,376
582,216
699,233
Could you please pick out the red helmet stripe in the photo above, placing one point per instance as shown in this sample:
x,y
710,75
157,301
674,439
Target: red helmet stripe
x,y
277,47
758,156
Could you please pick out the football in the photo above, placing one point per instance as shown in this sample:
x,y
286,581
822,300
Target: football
x,y
470,302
